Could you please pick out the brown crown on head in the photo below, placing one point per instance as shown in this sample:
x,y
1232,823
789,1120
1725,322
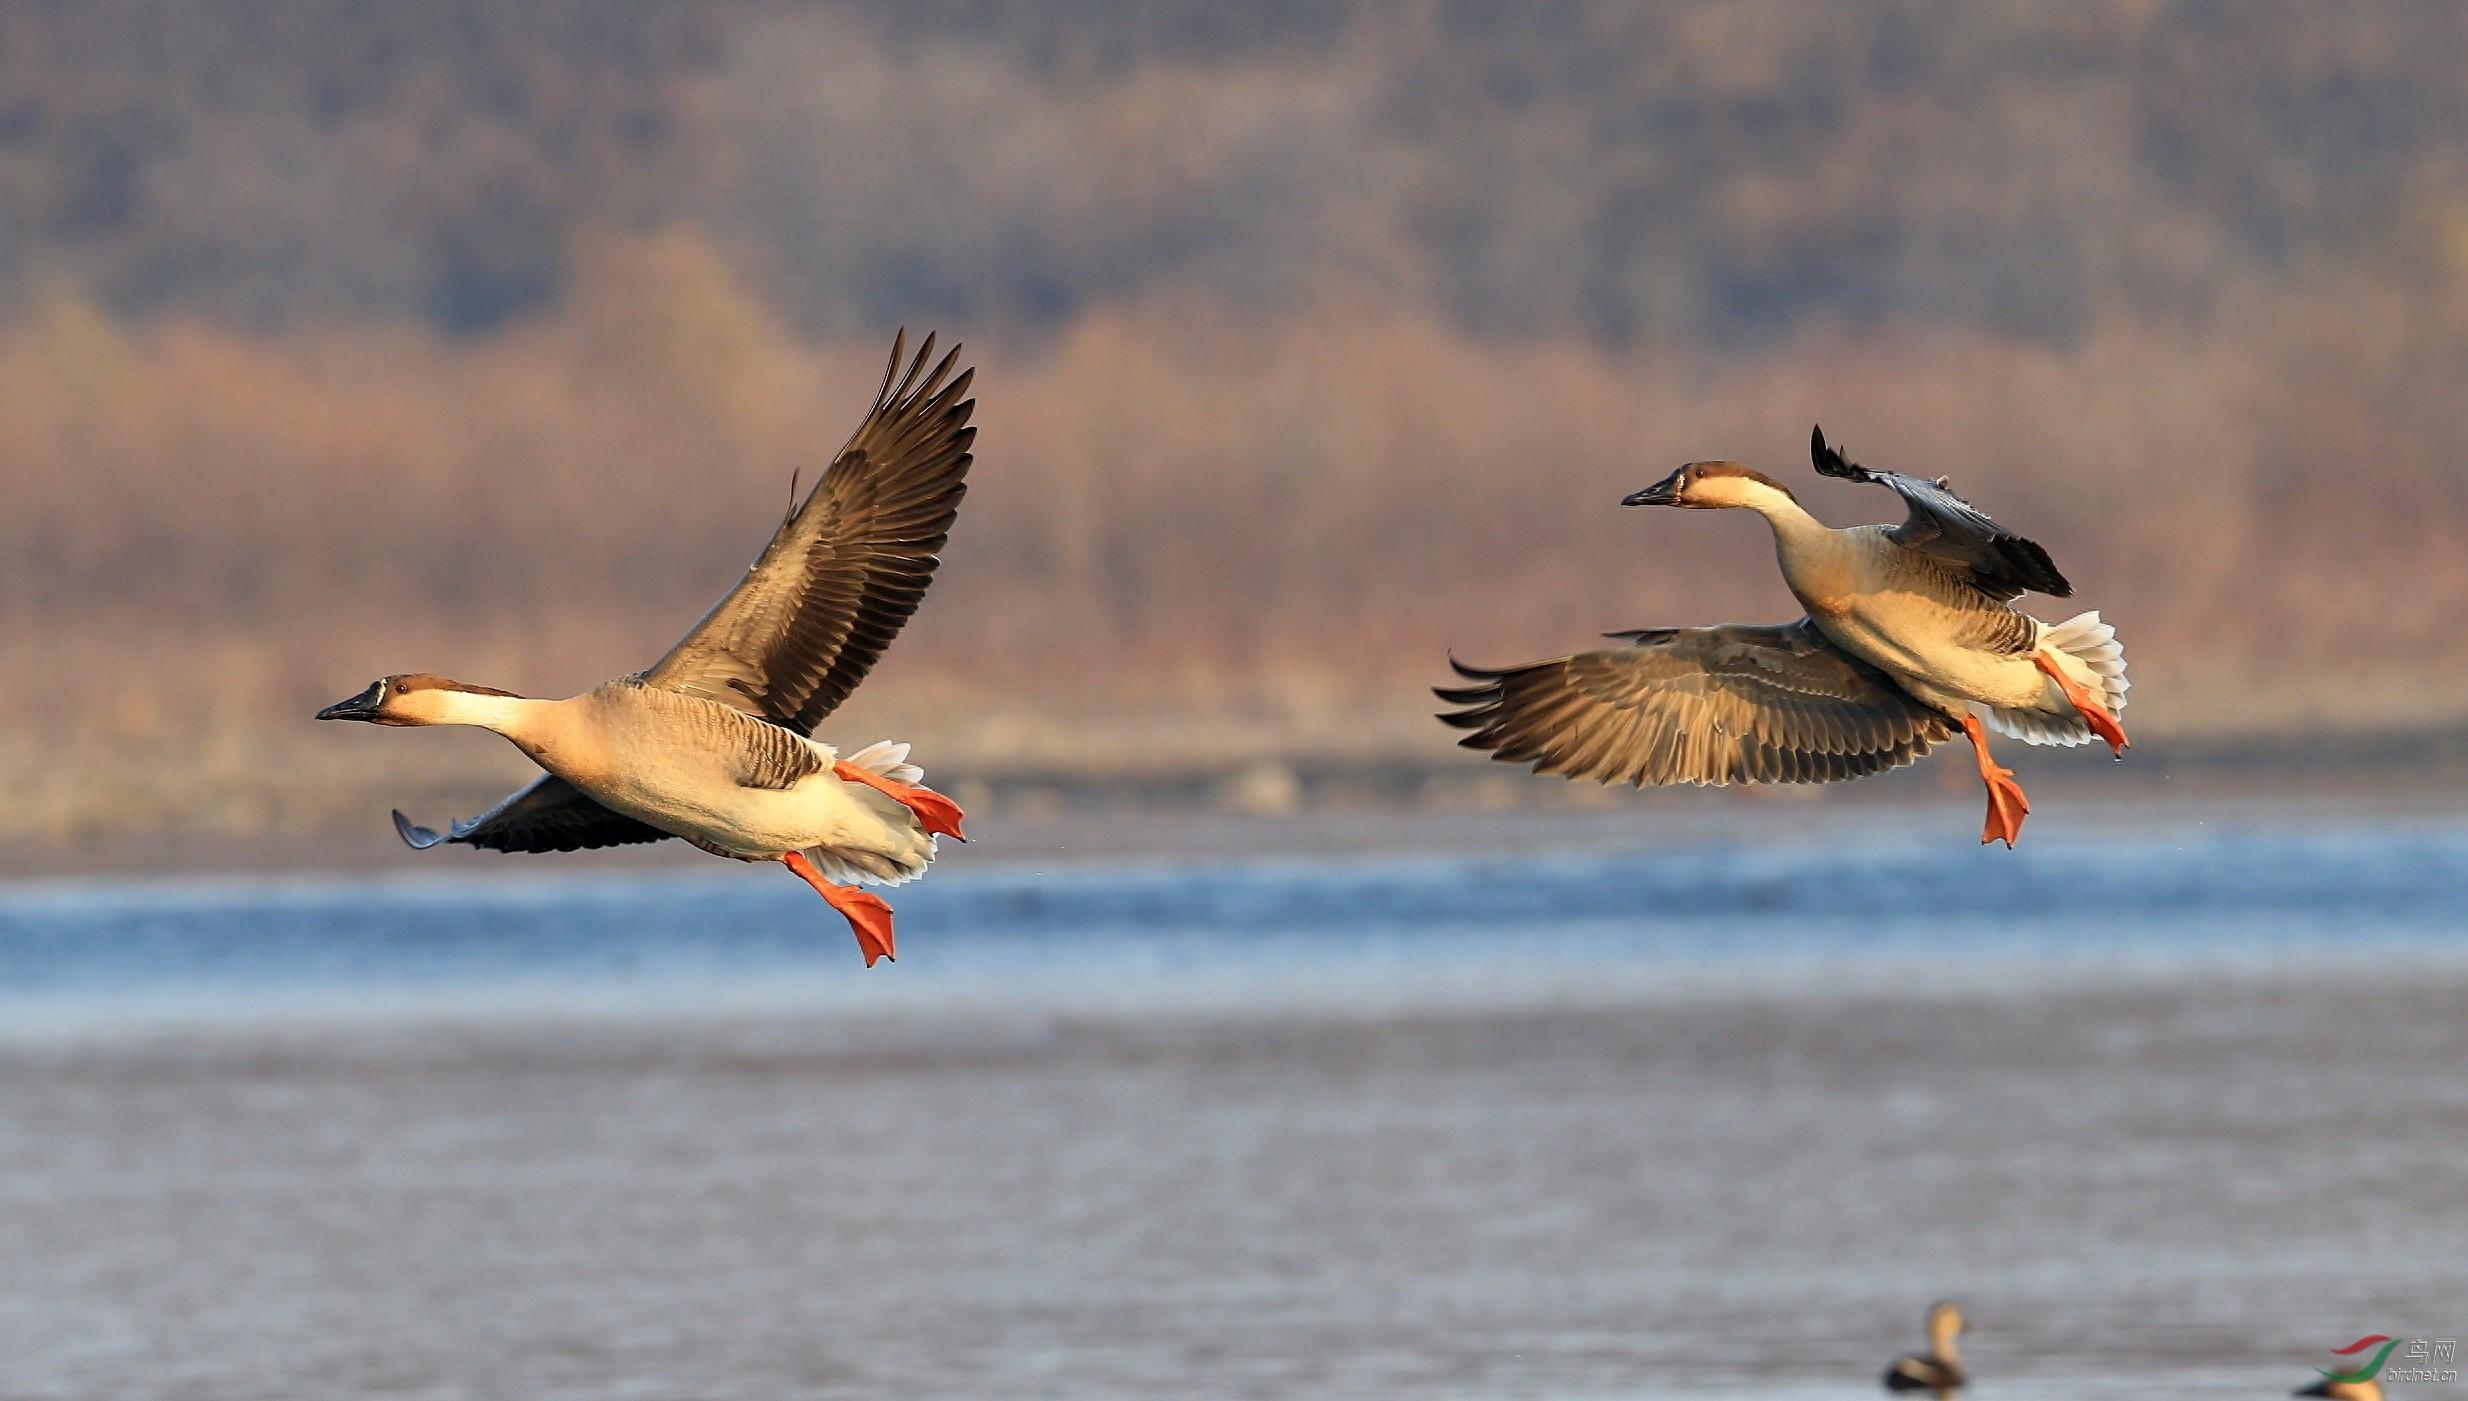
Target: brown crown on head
x,y
1733,469
431,681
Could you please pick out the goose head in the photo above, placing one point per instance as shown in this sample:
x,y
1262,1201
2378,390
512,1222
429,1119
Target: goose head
x,y
1711,486
420,698
1945,1323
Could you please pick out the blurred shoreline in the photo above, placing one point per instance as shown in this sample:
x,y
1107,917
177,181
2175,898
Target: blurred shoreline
x,y
1275,809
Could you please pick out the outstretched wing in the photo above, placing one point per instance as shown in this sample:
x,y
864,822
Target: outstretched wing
x,y
848,567
548,815
1714,705
1944,526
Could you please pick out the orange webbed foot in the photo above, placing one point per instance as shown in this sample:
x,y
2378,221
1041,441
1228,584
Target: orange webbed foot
x,y
868,916
2105,725
937,814
2007,807
2102,722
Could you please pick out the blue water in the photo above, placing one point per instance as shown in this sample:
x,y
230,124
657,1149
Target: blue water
x,y
2168,1110
2254,893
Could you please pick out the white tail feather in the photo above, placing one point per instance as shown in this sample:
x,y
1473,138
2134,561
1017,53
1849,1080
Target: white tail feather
x,y
888,759
2099,664
870,867
907,857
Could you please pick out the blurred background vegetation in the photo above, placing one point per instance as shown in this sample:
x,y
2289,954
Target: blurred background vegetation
x,y
1315,339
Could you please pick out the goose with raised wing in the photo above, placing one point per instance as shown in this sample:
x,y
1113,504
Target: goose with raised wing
x,y
1910,638
1938,1370
714,743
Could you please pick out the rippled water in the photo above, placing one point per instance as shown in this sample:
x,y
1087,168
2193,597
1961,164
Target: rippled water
x,y
2167,1113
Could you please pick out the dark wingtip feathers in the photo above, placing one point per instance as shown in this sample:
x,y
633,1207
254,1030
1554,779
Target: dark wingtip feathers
x,y
2030,563
415,836
891,368
941,368
1483,696
914,367
1828,459
917,384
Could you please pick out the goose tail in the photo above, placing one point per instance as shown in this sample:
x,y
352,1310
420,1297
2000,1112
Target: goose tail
x,y
888,759
2089,652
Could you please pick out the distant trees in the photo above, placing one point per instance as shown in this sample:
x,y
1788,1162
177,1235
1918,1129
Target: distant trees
x,y
1317,339
1640,174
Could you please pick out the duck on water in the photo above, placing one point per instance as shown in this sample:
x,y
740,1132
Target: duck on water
x,y
1938,1370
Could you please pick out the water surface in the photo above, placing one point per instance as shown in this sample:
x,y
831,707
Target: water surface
x,y
2170,1112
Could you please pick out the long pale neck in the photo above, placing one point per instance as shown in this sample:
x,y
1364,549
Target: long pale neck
x,y
1941,1332
1793,526
1811,556
518,718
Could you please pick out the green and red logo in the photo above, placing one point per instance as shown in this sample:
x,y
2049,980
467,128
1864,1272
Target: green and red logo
x,y
2383,1342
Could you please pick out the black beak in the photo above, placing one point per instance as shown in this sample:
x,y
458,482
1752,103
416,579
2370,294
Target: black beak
x,y
1663,493
364,706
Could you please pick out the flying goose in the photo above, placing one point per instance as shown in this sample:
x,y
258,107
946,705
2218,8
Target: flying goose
x,y
1908,628
1940,1368
713,743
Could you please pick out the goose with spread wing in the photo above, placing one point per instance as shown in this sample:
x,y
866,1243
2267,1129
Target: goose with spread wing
x,y
1910,636
714,742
